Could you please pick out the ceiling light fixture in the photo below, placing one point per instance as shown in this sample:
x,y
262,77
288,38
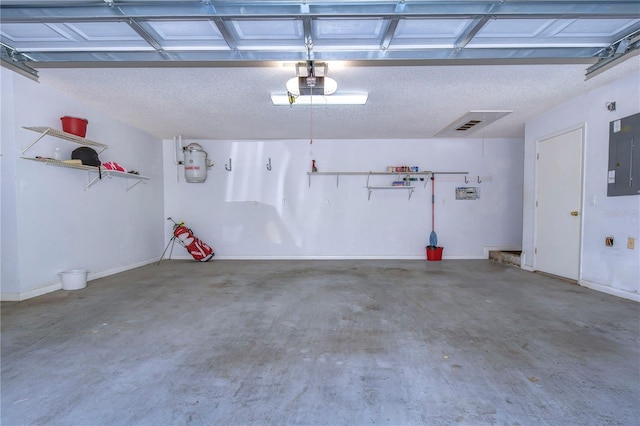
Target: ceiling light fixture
x,y
311,86
307,85
311,79
321,100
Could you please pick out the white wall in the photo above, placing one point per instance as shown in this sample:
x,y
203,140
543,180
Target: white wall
x,y
251,212
57,225
9,280
614,270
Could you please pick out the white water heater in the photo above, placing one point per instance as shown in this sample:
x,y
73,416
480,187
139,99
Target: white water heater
x,y
195,163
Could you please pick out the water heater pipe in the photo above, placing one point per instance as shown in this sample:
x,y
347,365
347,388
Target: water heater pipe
x,y
176,140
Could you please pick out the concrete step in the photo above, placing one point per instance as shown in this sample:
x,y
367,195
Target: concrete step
x,y
508,257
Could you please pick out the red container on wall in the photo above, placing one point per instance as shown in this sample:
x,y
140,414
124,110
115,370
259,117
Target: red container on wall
x,y
434,253
74,125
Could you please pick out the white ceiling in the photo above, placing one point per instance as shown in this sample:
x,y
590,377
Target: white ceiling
x,y
404,101
206,68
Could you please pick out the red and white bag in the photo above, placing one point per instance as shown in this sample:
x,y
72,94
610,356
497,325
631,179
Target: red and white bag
x,y
198,249
112,165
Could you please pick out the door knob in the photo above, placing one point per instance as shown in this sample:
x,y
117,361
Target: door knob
x,y
574,213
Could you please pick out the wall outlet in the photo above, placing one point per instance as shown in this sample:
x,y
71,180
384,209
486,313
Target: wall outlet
x,y
608,241
631,243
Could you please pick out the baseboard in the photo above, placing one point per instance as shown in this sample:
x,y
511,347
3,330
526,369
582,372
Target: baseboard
x,y
464,258
309,258
9,297
181,257
18,297
610,290
96,275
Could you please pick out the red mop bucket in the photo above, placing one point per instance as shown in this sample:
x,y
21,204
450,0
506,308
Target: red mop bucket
x,y
434,253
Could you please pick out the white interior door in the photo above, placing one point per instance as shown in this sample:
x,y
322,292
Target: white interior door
x,y
559,205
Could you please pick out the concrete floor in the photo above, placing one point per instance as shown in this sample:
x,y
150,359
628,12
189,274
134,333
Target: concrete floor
x,y
322,342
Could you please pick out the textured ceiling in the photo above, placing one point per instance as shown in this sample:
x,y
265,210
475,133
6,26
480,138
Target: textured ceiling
x,y
404,102
205,69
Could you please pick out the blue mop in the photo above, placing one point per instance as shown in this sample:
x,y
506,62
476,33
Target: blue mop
x,y
433,237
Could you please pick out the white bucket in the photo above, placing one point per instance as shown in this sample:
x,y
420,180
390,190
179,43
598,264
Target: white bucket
x,y
74,279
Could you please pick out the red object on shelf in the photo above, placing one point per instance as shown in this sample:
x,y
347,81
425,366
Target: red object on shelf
x,y
112,165
434,253
74,125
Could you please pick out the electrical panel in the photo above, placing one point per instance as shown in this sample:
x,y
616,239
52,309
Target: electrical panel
x,y
623,177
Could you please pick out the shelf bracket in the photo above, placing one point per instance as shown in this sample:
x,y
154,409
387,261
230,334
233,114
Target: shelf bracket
x,y
369,189
227,167
42,135
91,181
268,164
129,187
410,193
337,180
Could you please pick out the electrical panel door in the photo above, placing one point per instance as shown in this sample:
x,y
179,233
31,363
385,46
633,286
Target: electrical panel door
x,y
623,177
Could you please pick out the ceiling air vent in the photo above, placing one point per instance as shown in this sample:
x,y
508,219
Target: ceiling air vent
x,y
470,122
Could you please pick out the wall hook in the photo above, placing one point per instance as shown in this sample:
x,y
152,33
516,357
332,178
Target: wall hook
x,y
269,164
479,181
227,167
466,179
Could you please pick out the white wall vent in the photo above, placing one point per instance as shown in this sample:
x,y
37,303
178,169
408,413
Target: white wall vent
x,y
471,122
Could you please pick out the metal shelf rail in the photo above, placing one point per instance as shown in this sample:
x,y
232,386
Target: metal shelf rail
x,y
44,131
370,188
99,171
92,169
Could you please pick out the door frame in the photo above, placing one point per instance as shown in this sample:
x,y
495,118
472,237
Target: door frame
x,y
583,127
